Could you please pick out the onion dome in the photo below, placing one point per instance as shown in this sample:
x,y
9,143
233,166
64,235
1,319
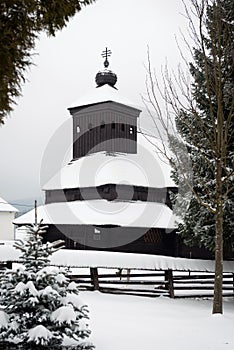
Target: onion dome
x,y
106,76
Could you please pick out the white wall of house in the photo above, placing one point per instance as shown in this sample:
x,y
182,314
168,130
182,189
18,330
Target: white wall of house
x,y
6,226
7,215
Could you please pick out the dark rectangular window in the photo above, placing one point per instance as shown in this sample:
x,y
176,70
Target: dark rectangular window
x,y
113,125
96,237
122,127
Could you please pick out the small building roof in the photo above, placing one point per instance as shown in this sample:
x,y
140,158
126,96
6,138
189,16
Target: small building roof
x,y
102,212
4,206
147,168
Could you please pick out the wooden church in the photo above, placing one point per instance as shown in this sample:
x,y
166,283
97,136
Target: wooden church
x,y
114,193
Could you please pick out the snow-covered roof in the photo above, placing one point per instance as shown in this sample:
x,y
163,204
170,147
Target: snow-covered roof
x,y
115,260
101,94
102,212
147,168
9,253
4,206
133,261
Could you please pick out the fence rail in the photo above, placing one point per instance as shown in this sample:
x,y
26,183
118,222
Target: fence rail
x,y
174,284
171,283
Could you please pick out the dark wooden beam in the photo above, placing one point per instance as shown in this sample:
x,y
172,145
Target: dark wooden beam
x,y
94,277
169,282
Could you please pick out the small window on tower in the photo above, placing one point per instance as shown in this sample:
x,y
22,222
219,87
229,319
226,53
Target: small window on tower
x,y
78,129
102,125
90,126
131,130
122,127
113,125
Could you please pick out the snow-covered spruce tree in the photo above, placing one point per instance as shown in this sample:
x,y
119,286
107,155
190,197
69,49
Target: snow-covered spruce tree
x,y
216,68
206,126
203,107
40,307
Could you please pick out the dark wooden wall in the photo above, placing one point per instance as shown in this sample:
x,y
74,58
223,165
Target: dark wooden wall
x,y
139,240
111,192
108,126
145,241
112,137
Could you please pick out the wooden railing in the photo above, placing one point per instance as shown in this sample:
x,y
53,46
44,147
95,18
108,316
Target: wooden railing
x,y
148,283
174,284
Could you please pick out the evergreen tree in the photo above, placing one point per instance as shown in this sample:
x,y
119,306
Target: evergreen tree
x,y
41,308
20,23
198,221
205,124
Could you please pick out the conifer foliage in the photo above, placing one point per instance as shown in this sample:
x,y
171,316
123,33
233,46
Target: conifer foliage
x,y
40,307
206,126
20,23
202,143
212,93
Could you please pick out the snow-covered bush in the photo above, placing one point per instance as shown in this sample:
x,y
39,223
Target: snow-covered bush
x,y
40,307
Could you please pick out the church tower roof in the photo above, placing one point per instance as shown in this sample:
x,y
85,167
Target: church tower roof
x,y
105,91
103,94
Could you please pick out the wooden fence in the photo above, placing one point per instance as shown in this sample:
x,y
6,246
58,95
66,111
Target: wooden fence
x,y
171,283
174,284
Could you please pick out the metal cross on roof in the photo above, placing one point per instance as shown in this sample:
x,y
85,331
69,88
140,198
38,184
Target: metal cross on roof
x,y
106,54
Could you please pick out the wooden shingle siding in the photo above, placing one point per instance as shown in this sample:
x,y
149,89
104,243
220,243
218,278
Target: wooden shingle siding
x,y
134,238
109,127
110,192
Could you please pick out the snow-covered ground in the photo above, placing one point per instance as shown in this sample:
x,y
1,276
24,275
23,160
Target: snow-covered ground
x,y
121,322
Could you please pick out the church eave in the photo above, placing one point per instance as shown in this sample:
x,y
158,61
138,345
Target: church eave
x,y
76,109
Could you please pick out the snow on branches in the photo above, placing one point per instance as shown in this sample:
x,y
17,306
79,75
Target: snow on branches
x,y
40,307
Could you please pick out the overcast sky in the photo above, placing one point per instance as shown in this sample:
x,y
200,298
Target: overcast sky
x,y
65,69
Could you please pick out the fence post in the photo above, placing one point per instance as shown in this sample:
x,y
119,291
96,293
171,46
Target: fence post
x,y
233,283
169,283
94,277
9,265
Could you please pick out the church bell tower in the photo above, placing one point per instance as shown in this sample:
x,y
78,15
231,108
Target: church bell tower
x,y
104,123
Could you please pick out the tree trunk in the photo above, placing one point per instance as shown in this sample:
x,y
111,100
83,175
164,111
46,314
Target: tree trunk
x,y
218,282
